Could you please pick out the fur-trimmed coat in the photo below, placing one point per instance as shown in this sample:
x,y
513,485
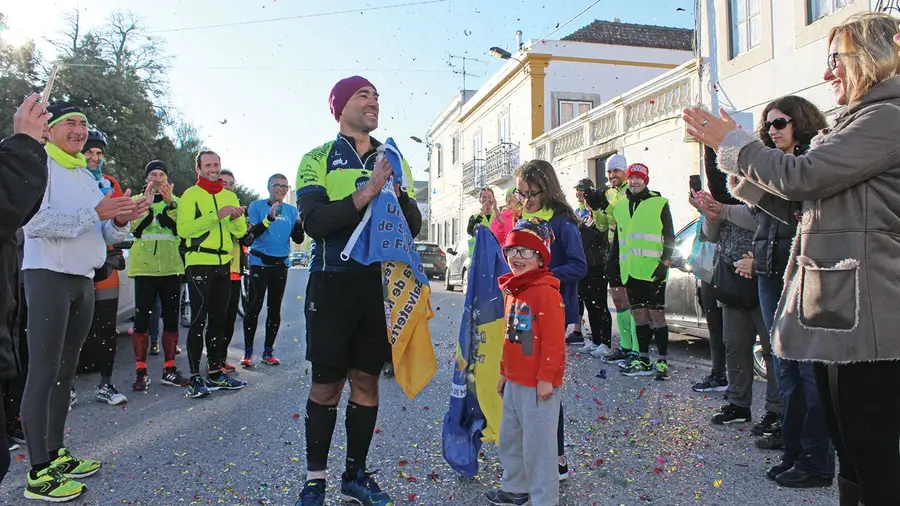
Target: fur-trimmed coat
x,y
842,283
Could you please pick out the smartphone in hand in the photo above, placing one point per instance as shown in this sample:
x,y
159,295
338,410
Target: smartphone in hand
x,y
695,183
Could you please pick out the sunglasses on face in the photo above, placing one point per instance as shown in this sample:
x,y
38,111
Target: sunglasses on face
x,y
530,194
778,123
524,253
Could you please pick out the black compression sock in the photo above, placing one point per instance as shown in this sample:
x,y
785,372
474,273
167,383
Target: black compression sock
x,y
320,422
360,428
661,334
644,336
35,469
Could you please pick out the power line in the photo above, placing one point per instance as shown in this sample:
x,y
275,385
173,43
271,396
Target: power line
x,y
301,16
560,27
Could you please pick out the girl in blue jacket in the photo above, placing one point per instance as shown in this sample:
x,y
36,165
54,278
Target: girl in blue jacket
x,y
542,197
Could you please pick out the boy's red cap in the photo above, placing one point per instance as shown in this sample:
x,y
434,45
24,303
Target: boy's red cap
x,y
532,233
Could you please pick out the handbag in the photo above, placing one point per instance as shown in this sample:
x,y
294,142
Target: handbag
x,y
732,289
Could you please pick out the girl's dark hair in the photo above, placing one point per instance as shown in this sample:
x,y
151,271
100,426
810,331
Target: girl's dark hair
x,y
541,174
806,119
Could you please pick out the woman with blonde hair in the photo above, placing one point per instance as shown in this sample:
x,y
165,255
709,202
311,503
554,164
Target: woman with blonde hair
x,y
838,307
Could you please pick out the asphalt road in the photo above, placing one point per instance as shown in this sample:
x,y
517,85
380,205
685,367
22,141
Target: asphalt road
x,y
632,441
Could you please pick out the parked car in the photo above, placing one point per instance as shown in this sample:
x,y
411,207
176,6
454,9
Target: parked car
x,y
684,310
434,260
300,258
456,273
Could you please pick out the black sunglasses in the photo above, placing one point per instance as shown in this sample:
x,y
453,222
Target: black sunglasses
x,y
530,194
778,123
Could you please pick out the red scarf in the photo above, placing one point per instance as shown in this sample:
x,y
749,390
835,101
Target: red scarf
x,y
212,187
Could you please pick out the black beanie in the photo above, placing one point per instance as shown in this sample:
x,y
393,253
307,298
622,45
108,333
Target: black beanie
x,y
155,165
89,144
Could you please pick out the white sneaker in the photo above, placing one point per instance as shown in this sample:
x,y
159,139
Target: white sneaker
x,y
588,347
109,394
73,399
600,350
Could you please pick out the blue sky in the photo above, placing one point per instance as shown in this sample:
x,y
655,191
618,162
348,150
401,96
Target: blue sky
x,y
271,80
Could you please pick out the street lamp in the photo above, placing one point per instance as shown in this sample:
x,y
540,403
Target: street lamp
x,y
499,52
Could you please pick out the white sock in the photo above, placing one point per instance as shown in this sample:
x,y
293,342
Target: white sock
x,y
315,475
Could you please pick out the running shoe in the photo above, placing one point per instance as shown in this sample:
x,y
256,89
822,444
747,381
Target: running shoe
x,y
661,371
639,367
73,467
50,485
247,361
224,382
173,377
13,446
575,338
363,490
500,498
615,356
227,368
141,381
601,350
313,493
731,414
197,388
108,394
587,348
154,347
270,359
712,383
766,426
15,432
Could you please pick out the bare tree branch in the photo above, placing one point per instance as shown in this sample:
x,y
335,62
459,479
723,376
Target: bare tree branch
x,y
70,36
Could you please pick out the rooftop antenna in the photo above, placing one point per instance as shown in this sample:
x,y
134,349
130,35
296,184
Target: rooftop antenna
x,y
887,6
461,69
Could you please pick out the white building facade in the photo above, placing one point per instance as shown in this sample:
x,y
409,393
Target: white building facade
x,y
480,139
750,53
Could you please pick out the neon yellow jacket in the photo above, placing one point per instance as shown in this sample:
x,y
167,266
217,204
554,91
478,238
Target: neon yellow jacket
x,y
210,240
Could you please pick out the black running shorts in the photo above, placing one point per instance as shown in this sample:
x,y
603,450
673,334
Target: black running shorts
x,y
646,294
345,324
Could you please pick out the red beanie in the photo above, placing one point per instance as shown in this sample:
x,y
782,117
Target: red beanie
x,y
640,170
533,234
342,91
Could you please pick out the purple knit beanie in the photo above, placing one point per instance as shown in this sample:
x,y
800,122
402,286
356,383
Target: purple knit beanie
x,y
342,91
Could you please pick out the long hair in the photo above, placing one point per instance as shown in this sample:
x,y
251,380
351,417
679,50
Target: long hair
x,y
871,56
541,174
806,119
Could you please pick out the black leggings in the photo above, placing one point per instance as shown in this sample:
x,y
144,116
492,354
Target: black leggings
x,y
15,388
592,295
210,291
103,331
231,314
272,279
146,291
861,402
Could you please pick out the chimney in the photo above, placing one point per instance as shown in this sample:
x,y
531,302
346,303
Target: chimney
x,y
519,40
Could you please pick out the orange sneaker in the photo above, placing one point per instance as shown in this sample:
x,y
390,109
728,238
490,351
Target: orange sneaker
x,y
247,361
270,359
226,367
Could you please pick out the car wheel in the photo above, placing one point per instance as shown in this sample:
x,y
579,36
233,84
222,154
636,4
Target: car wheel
x,y
759,363
465,282
447,285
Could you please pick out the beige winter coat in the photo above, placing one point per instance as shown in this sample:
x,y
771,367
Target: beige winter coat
x,y
841,301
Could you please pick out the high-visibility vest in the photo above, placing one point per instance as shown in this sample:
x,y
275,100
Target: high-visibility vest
x,y
486,221
640,237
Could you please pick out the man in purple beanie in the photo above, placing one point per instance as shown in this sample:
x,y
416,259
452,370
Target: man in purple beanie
x,y
346,333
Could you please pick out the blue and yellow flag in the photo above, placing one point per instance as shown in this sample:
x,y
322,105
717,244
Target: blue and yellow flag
x,y
475,406
384,236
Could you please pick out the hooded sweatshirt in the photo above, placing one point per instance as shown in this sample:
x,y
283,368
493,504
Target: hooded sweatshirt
x,y
535,345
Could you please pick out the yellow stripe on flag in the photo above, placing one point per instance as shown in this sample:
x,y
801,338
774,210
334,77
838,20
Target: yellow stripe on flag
x,y
488,351
407,311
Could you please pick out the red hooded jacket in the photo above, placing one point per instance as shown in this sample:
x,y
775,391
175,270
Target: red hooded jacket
x,y
535,345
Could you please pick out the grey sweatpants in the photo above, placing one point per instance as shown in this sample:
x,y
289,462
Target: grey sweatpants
x,y
60,311
741,328
528,444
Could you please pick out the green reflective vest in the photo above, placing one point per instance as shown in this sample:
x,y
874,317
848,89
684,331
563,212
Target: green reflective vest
x,y
155,252
640,237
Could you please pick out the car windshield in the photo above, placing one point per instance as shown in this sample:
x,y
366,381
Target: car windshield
x,y
684,241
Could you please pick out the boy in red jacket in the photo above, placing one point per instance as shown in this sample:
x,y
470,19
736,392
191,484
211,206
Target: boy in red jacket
x,y
531,370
